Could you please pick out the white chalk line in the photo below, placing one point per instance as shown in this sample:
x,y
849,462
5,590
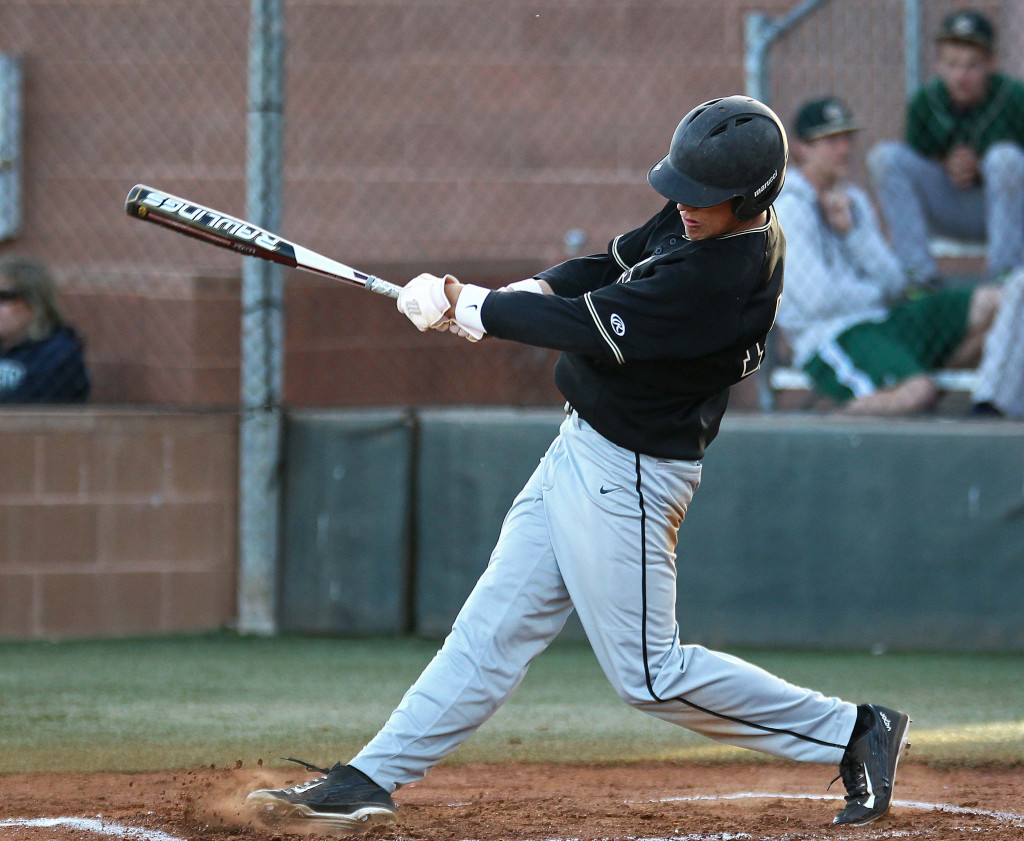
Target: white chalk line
x,y
1012,817
98,826
101,827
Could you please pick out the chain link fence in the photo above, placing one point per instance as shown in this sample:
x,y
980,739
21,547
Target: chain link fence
x,y
898,266
488,139
114,93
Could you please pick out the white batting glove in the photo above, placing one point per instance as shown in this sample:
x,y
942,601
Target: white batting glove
x,y
423,302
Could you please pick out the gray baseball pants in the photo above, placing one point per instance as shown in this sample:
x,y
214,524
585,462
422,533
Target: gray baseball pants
x,y
1001,372
916,197
595,529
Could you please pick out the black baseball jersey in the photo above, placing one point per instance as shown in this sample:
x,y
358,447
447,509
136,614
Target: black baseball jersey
x,y
655,331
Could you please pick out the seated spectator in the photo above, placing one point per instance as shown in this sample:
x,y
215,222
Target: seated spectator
x,y
844,311
41,359
961,171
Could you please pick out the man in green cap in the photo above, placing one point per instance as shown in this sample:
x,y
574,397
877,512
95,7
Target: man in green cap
x,y
960,172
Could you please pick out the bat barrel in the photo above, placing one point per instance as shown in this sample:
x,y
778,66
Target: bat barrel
x,y
212,226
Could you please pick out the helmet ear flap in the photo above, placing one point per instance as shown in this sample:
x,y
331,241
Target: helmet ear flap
x,y
745,209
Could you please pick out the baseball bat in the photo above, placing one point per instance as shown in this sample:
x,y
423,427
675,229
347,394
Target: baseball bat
x,y
209,225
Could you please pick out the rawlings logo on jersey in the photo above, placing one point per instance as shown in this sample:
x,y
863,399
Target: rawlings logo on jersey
x,y
618,325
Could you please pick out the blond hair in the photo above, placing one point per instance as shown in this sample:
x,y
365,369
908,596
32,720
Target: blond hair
x,y
34,283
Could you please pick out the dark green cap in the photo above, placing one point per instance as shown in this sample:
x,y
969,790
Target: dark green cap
x,y
824,117
968,27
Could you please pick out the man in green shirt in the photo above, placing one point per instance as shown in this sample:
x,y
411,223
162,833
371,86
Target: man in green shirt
x,y
961,171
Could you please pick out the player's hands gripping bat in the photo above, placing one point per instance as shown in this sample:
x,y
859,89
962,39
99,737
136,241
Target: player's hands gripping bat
x,y
425,302
422,300
209,225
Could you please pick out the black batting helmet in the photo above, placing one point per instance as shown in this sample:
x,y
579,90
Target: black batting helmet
x,y
731,148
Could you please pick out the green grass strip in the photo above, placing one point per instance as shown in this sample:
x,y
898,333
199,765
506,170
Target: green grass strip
x,y
147,704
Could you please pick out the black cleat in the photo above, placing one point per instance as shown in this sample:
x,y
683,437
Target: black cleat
x,y
869,765
344,798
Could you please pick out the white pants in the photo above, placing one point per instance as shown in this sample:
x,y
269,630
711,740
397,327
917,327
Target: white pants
x,y
1001,373
595,529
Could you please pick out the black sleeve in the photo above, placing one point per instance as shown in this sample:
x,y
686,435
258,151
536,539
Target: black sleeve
x,y
548,321
574,277
682,307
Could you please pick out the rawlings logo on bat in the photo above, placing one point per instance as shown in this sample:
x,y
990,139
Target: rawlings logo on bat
x,y
209,219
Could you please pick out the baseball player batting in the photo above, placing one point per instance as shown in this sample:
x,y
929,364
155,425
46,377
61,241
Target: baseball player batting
x,y
653,333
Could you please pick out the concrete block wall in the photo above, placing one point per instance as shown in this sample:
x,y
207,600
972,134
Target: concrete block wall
x,y
116,523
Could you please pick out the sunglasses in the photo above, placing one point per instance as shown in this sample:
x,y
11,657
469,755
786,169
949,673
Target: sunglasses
x,y
10,295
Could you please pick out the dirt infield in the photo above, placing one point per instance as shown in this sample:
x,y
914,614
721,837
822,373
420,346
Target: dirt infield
x,y
745,802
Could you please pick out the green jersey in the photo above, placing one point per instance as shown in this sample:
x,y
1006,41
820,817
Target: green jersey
x,y
935,125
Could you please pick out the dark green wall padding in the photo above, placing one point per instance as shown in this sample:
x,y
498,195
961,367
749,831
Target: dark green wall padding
x,y
471,466
806,531
872,534
347,523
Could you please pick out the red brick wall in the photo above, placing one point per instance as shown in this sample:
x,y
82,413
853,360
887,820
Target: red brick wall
x,y
466,136
462,135
116,523
170,338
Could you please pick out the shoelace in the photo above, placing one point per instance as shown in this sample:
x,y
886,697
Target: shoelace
x,y
853,779
306,765
305,786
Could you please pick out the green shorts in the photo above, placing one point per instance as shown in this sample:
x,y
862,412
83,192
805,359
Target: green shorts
x,y
917,337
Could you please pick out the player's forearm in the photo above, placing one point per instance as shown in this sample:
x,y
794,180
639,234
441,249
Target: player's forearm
x,y
541,320
454,288
547,321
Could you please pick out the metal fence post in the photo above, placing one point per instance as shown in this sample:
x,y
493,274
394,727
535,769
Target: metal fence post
x,y
11,82
912,40
262,332
759,33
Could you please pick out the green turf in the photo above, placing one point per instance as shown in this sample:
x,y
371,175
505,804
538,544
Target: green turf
x,y
184,702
